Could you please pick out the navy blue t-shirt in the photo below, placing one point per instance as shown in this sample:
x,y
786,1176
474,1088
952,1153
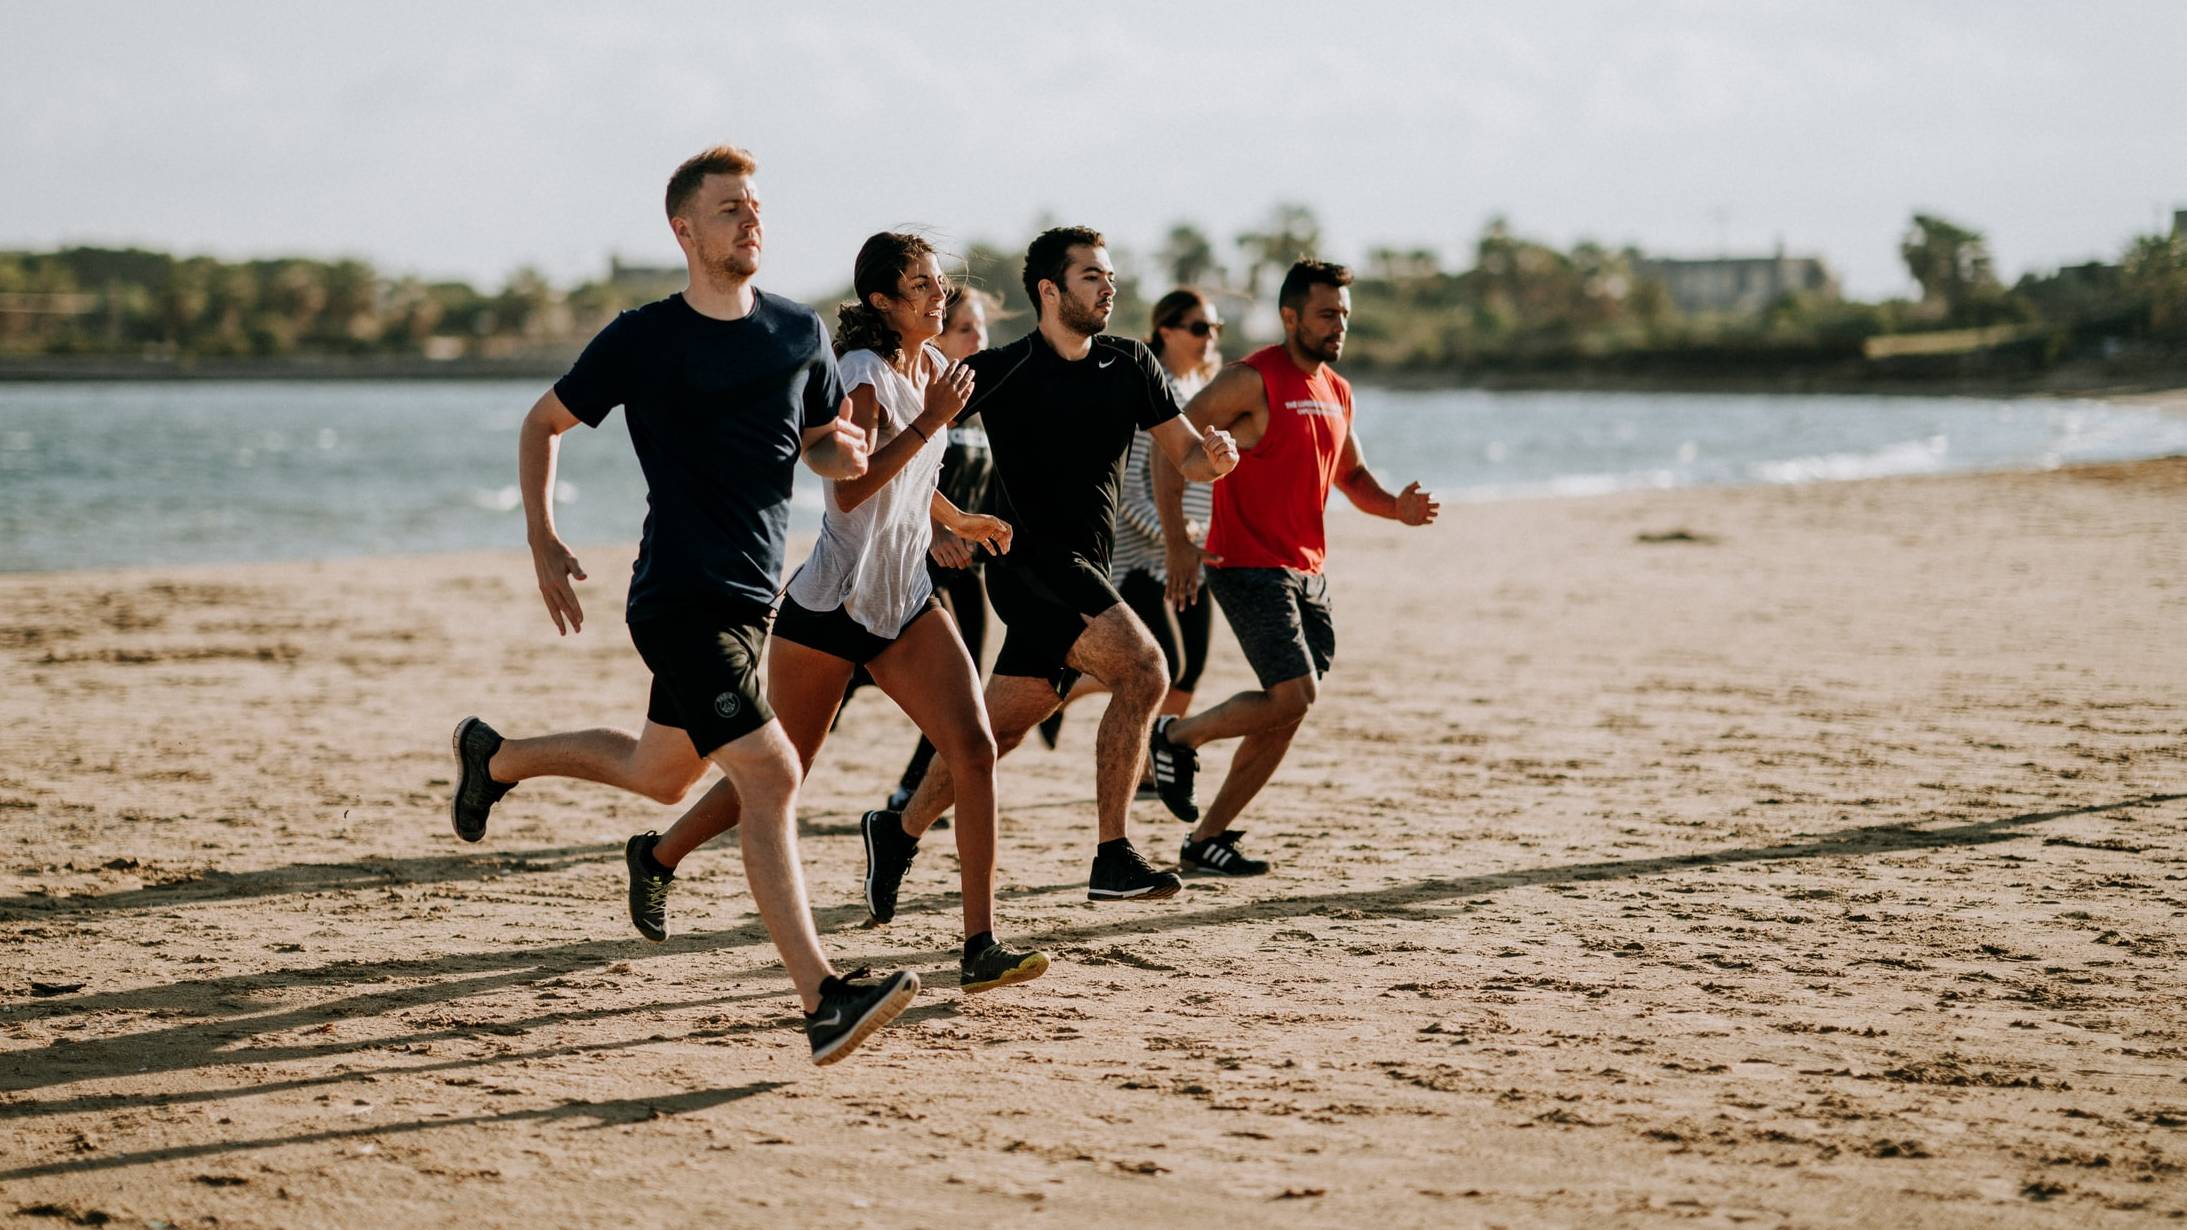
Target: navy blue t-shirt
x,y
717,411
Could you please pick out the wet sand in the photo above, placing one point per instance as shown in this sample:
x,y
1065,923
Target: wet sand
x,y
1775,857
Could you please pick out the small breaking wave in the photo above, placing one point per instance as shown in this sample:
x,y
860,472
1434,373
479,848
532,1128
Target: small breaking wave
x,y
1924,456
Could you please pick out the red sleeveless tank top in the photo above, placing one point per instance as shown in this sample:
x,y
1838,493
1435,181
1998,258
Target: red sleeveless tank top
x,y
1268,511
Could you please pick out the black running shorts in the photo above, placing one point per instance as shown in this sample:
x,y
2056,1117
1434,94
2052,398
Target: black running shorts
x,y
704,656
1045,605
836,634
1281,617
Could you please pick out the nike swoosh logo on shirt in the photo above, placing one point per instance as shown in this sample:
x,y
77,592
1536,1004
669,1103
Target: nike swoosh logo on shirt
x,y
1105,363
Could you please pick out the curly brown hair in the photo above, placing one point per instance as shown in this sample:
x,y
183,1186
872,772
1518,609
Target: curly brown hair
x,y
882,260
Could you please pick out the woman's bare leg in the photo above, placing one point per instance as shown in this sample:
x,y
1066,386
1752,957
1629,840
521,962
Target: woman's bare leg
x,y
930,675
804,688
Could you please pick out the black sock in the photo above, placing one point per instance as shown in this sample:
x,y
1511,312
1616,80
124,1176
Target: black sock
x,y
1112,847
974,945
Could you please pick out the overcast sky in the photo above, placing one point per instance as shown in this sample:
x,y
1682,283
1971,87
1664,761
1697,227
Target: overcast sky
x,y
459,138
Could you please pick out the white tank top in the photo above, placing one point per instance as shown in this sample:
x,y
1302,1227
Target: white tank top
x,y
871,561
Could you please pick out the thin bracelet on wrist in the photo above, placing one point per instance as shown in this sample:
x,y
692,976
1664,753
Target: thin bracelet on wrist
x,y
914,425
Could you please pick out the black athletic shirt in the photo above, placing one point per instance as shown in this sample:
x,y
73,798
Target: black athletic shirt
x,y
968,475
717,411
1059,431
968,468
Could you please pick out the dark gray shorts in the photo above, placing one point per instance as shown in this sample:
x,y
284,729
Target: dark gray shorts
x,y
1281,618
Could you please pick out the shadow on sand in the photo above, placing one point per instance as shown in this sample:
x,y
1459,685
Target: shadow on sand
x,y
208,1043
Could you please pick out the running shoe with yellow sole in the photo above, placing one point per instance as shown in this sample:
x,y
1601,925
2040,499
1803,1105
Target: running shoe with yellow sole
x,y
997,966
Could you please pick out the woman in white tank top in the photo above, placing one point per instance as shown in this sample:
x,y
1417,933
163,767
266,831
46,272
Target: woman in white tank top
x,y
863,598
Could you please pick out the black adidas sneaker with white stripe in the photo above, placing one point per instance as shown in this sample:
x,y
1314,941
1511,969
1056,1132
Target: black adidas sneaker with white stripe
x,y
1219,855
1175,766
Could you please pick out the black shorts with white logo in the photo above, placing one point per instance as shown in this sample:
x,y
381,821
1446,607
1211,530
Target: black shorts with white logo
x,y
1045,605
704,655
836,634
1281,617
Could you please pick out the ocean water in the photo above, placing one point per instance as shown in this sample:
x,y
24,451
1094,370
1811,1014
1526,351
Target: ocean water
x,y
125,474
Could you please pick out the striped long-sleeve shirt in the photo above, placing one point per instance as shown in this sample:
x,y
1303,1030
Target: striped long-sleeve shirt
x,y
1139,546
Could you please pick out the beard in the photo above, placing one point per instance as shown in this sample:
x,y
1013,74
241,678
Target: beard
x,y
1324,349
1079,318
729,263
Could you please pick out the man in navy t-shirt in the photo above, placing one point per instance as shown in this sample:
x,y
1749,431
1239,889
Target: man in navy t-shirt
x,y
723,387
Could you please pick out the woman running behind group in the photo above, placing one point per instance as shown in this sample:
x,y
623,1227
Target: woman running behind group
x,y
1186,337
864,598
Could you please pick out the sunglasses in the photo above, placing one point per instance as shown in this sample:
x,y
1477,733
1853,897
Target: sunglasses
x,y
1201,328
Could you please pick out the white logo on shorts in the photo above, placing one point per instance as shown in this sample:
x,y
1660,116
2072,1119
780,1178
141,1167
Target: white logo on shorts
x,y
727,704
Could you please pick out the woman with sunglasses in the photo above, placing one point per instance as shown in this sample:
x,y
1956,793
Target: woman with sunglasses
x,y
1186,337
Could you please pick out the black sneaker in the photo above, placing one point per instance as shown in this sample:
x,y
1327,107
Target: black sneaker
x,y
648,889
476,790
1219,855
997,966
1119,874
1147,793
1051,729
851,1010
889,851
1174,769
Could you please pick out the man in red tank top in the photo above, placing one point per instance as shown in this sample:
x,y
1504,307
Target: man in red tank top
x,y
1291,416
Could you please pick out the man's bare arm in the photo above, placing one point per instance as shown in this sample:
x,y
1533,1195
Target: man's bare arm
x,y
538,443
1412,506
1230,396
837,448
971,529
1202,456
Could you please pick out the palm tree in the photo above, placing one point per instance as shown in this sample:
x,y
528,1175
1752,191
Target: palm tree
x,y
1951,262
1189,256
1291,233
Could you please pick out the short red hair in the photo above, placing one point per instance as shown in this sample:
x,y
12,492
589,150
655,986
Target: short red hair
x,y
720,160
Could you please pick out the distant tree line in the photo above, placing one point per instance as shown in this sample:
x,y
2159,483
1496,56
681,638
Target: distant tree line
x,y
105,301
1521,302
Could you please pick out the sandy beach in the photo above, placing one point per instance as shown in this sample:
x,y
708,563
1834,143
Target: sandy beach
x,y
1793,856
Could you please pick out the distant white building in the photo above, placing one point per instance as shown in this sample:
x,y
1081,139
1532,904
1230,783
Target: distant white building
x,y
653,278
1739,285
